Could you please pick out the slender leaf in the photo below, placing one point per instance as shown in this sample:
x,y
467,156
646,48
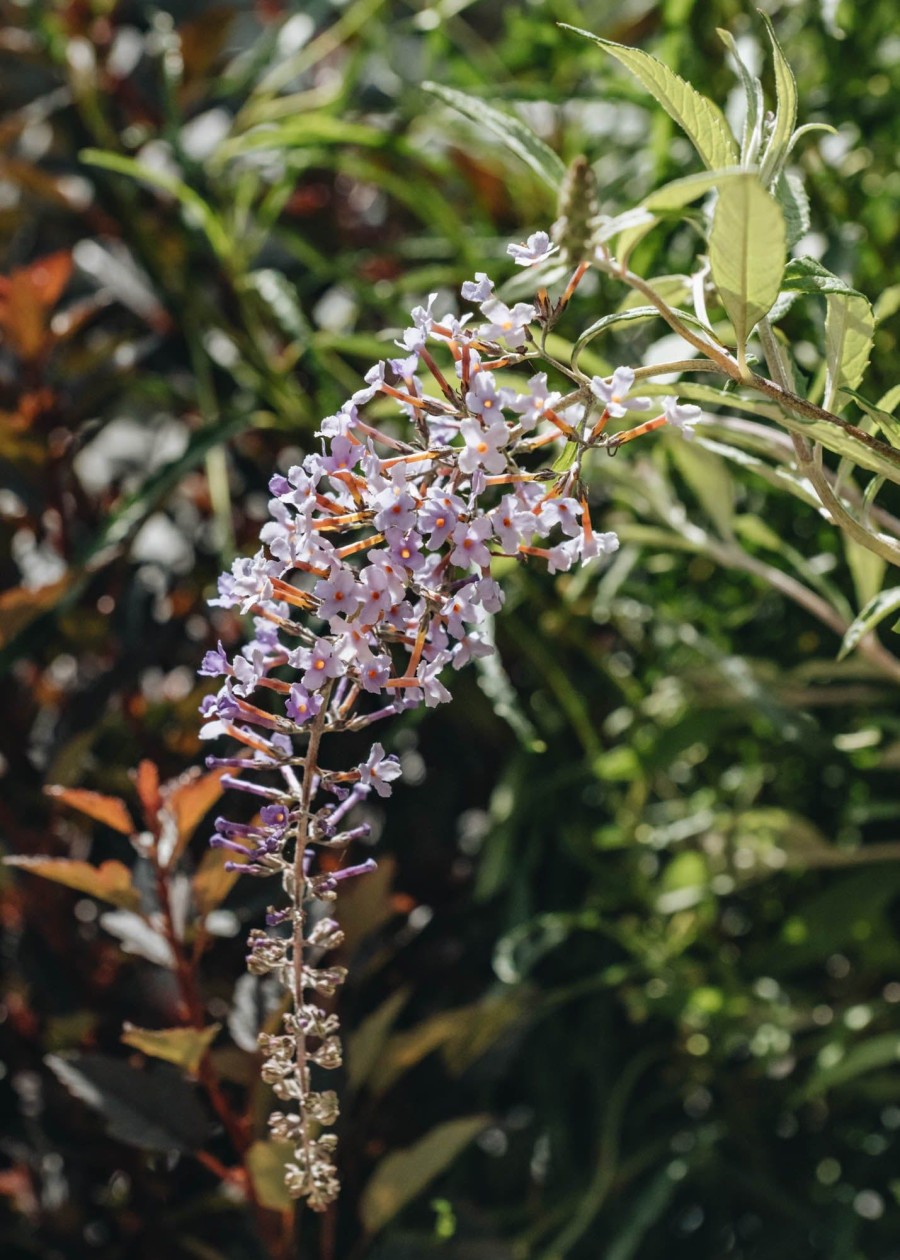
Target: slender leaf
x,y
785,110
849,336
701,120
517,137
403,1175
875,611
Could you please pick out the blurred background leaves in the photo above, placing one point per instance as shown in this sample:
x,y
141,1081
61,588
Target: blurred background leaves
x,y
626,982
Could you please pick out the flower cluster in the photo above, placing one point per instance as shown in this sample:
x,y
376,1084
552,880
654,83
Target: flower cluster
x,y
373,584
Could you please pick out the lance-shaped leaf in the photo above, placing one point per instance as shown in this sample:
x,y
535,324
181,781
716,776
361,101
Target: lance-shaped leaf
x,y
785,110
154,1109
747,254
632,226
849,333
517,137
702,121
185,1047
753,121
110,881
875,611
106,809
402,1175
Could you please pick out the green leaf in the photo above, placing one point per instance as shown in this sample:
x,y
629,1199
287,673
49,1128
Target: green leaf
x,y
632,226
266,1163
185,1047
875,1052
747,252
517,137
709,479
785,111
191,201
792,198
701,120
849,335
403,1175
887,303
365,1043
875,611
634,314
806,275
889,424
753,122
277,293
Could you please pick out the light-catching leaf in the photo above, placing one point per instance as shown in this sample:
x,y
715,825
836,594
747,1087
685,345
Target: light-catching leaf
x,y
747,252
806,275
266,1163
517,137
709,479
751,139
110,881
785,110
106,809
876,1052
185,1047
875,611
849,334
701,120
402,1175
189,798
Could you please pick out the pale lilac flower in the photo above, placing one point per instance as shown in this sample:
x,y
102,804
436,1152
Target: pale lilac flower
x,y
479,289
484,446
505,323
537,248
615,395
433,689
483,397
302,705
323,664
599,545
470,648
490,594
459,608
215,662
531,406
511,523
682,415
379,771
468,544
338,593
438,517
560,511
374,673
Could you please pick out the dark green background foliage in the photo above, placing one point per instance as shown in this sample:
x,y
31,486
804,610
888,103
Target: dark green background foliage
x,y
640,894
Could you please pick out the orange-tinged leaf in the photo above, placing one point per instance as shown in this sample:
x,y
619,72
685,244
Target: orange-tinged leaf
x,y
20,605
106,809
146,780
212,883
110,881
27,297
184,1047
189,798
